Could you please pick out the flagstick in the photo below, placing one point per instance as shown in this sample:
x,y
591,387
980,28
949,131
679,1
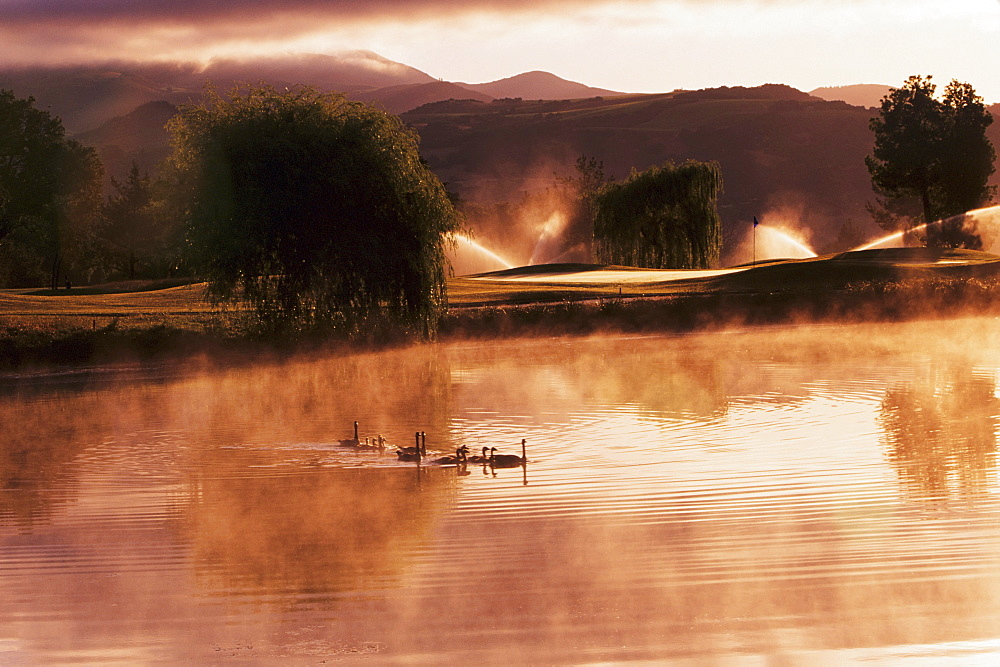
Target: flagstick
x,y
754,242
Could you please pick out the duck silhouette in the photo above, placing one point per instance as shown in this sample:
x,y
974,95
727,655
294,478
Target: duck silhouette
x,y
458,459
376,443
508,460
352,442
414,453
476,458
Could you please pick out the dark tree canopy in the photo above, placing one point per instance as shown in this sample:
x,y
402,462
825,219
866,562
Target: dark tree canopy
x,y
49,190
131,228
934,153
664,217
316,212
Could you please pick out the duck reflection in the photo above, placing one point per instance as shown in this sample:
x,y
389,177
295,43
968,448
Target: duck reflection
x,y
940,433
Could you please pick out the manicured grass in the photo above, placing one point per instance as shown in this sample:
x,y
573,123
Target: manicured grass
x,y
825,274
141,320
182,307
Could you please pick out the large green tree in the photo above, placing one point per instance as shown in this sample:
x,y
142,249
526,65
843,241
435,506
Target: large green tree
x,y
50,189
664,217
314,211
932,159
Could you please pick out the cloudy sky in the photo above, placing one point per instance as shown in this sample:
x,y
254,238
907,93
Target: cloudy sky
x,y
627,45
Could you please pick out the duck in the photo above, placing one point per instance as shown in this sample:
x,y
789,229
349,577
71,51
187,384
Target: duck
x,y
457,459
373,443
476,458
508,460
411,453
352,442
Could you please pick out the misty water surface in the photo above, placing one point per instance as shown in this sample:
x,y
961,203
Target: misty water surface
x,y
817,495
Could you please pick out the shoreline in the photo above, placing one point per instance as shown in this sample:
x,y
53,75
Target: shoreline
x,y
31,350
118,324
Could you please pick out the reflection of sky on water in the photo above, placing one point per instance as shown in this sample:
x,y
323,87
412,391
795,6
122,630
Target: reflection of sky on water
x,y
823,493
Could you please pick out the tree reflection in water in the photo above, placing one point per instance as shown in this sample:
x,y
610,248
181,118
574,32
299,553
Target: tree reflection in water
x,y
940,433
309,537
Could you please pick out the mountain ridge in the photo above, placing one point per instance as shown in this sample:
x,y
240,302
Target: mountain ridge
x,y
86,96
537,85
867,95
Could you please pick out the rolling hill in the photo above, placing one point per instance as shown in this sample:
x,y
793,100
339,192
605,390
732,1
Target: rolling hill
x,y
537,86
85,97
790,158
139,136
868,95
401,98
782,151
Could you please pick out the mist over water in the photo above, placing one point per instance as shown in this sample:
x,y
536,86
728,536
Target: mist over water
x,y
815,494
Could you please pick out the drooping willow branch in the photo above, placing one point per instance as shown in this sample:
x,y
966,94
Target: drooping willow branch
x,y
664,217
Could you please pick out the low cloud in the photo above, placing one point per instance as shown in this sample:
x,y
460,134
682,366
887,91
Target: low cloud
x,y
35,31
20,12
182,12
67,31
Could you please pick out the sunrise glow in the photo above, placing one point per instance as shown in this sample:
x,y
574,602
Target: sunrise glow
x,y
653,46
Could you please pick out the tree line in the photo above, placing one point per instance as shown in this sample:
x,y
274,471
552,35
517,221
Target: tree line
x,y
302,209
307,211
50,195
57,226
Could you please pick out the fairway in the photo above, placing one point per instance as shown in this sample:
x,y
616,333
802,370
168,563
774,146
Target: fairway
x,y
185,306
90,308
830,273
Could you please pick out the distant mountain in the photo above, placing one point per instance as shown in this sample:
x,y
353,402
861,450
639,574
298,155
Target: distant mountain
x,y
143,126
344,72
86,97
397,99
868,95
140,137
537,86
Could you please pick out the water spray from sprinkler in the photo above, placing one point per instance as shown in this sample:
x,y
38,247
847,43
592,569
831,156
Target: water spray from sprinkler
x,y
482,250
776,240
898,235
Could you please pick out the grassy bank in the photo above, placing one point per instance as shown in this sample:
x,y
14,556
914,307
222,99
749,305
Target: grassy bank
x,y
142,321
882,301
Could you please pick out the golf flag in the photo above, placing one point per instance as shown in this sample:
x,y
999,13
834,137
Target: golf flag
x,y
755,223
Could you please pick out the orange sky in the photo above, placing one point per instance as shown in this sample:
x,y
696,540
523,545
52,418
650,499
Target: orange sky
x,y
632,46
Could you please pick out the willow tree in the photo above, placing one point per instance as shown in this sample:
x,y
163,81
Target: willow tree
x,y
664,217
312,211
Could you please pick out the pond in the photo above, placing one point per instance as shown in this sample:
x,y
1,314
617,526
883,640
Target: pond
x,y
816,494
